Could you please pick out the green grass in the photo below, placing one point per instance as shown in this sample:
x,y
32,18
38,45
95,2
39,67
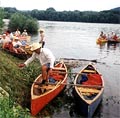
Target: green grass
x,y
17,82
12,111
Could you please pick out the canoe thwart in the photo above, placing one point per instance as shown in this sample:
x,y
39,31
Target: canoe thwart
x,y
88,90
56,68
89,71
44,87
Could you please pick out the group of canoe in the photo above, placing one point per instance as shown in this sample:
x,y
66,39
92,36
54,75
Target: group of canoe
x,y
109,38
102,40
88,85
88,89
17,45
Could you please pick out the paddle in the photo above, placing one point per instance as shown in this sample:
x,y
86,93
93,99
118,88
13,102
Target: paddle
x,y
78,85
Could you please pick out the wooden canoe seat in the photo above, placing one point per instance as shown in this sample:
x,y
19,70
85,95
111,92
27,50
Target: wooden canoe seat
x,y
44,87
49,87
89,71
88,90
56,68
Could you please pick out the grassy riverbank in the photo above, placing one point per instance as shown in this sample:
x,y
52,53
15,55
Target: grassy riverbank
x,y
17,82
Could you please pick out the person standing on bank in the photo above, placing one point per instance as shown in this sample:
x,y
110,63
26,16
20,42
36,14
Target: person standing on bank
x,y
45,57
42,37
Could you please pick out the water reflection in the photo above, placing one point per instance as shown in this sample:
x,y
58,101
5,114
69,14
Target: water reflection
x,y
112,46
109,46
102,46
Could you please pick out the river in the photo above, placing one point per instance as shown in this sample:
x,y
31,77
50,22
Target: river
x,y
74,40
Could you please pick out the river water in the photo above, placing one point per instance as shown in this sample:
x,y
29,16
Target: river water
x,y
74,41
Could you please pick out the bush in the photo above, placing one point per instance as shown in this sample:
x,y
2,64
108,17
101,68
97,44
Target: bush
x,y
21,22
8,110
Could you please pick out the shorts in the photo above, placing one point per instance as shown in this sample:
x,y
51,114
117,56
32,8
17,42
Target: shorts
x,y
48,66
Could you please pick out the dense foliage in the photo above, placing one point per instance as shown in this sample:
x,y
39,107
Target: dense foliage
x,y
8,110
108,16
1,19
21,22
17,82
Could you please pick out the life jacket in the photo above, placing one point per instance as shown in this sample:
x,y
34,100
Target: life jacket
x,y
57,76
93,79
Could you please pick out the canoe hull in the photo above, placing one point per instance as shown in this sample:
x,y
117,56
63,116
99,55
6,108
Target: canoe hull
x,y
84,108
18,55
100,41
89,97
38,104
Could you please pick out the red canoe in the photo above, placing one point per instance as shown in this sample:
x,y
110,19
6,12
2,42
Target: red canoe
x,y
41,95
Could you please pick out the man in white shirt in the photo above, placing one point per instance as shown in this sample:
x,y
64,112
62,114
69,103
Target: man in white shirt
x,y
45,57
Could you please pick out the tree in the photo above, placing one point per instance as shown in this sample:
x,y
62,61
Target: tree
x,y
106,16
21,22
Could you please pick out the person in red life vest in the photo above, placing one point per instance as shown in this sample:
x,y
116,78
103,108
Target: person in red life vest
x,y
115,37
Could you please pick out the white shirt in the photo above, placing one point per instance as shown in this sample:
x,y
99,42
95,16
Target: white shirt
x,y
6,40
16,43
44,57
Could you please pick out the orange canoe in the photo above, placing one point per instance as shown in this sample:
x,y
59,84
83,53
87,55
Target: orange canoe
x,y
101,40
41,95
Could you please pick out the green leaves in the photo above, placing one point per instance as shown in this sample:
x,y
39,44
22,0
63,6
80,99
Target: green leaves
x,y
1,19
14,111
17,82
21,22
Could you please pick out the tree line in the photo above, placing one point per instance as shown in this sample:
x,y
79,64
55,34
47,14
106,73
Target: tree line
x,y
50,14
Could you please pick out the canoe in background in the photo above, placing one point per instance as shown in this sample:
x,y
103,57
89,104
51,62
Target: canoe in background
x,y
18,55
88,90
101,40
42,95
26,38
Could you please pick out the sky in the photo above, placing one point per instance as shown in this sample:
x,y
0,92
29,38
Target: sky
x,y
61,5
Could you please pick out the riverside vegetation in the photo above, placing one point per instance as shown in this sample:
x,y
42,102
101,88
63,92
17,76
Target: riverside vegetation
x,y
17,82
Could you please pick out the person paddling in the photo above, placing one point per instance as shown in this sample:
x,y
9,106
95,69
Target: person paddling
x,y
46,58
